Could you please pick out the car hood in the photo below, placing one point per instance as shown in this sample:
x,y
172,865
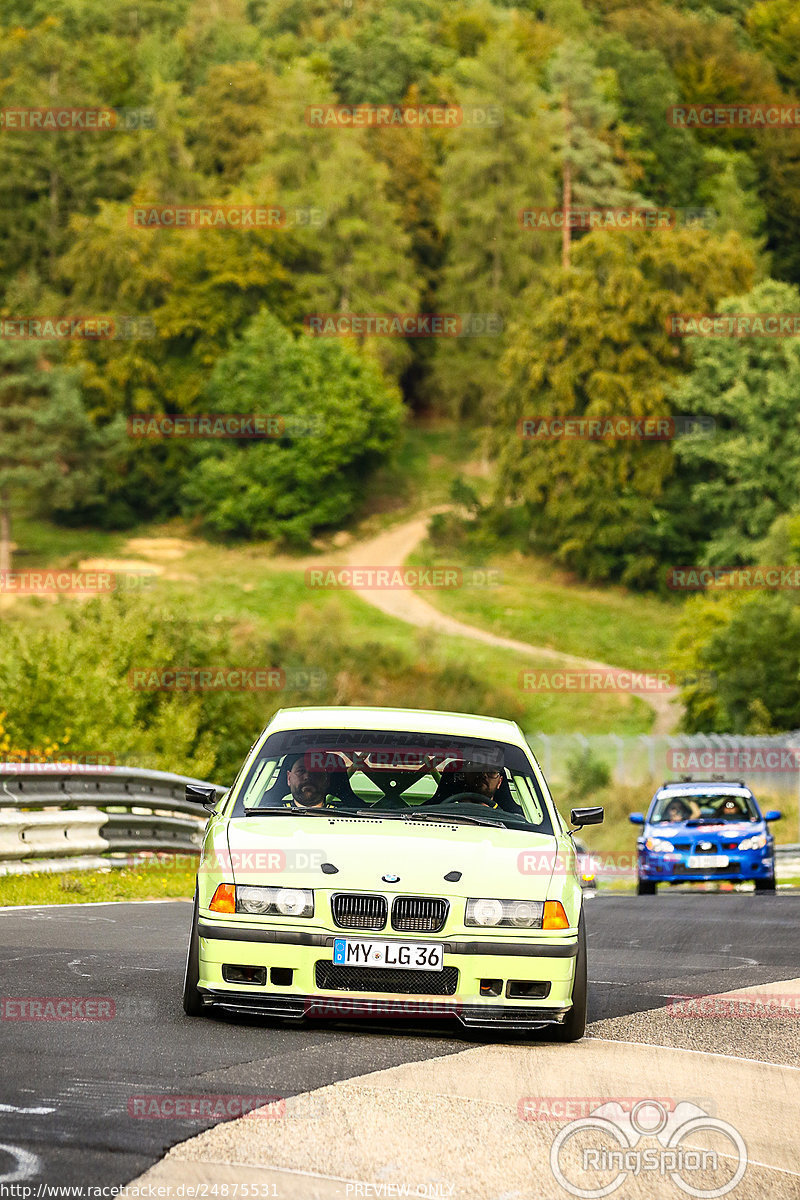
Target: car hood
x,y
728,830
506,863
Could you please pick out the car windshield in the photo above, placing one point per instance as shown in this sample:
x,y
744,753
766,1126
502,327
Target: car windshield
x,y
703,807
397,775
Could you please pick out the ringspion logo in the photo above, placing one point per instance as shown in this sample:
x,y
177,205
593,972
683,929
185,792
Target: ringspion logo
x,y
592,1156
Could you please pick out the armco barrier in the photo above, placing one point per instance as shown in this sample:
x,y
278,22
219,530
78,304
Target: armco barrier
x,y
57,813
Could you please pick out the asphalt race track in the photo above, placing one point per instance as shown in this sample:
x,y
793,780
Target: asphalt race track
x,y
66,1084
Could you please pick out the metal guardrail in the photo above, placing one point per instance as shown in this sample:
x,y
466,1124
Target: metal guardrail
x,y
54,816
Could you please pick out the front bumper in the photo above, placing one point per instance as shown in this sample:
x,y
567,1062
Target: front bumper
x,y
301,982
742,867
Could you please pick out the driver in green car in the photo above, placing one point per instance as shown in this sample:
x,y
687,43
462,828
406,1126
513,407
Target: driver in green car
x,y
308,788
480,781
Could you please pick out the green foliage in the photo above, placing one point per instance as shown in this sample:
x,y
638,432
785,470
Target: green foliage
x,y
738,481
669,159
384,58
774,26
586,775
596,344
745,649
489,175
292,487
51,456
58,690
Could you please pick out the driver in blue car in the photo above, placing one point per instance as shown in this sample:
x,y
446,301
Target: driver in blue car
x,y
678,810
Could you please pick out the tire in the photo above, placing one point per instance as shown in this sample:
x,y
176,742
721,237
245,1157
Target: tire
x,y
765,885
574,1025
192,1004
646,887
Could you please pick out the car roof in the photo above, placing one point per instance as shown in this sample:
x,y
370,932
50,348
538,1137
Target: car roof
x,y
407,720
698,787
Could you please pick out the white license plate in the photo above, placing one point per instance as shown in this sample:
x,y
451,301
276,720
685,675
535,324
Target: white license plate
x,y
708,860
411,956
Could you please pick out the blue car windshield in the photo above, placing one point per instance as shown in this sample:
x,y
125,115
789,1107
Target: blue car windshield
x,y
394,774
704,807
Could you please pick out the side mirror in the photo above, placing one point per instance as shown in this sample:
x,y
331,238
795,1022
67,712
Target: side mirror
x,y
586,816
774,814
636,818
200,793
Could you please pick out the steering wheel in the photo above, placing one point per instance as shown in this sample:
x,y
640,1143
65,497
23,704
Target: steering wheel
x,y
468,798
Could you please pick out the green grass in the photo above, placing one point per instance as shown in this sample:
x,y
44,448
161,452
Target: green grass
x,y
157,882
257,590
248,586
432,455
538,604
40,544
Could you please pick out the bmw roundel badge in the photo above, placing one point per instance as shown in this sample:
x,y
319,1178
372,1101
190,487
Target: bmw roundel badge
x,y
390,878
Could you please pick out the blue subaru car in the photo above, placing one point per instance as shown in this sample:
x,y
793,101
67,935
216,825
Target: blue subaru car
x,y
702,831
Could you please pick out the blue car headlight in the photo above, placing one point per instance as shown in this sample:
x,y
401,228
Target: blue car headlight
x,y
659,845
757,842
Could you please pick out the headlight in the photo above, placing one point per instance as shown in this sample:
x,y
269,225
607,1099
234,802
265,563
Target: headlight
x,y
757,842
275,901
520,914
659,845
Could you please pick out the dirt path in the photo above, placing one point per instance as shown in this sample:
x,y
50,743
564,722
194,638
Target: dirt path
x,y
392,547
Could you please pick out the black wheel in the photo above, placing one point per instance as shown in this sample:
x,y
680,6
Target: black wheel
x,y
646,887
765,885
574,1025
192,1004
